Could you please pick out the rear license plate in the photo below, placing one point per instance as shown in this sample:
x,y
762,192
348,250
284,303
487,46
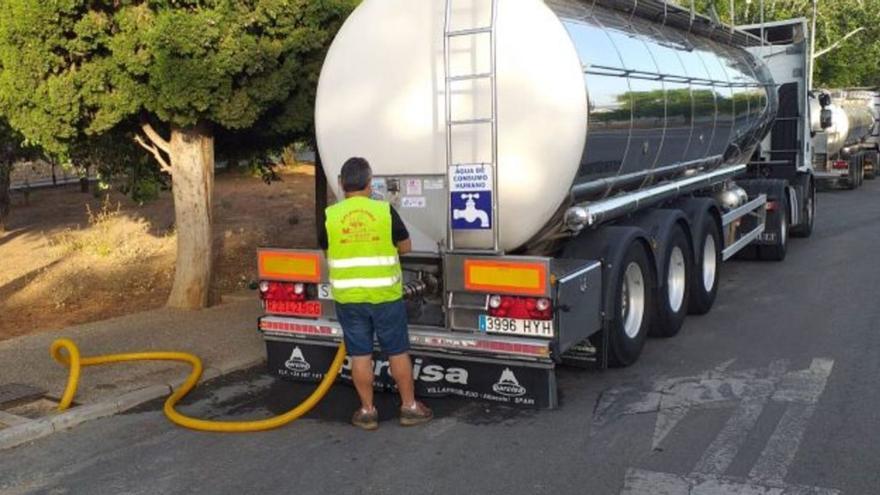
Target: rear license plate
x,y
767,237
514,326
295,308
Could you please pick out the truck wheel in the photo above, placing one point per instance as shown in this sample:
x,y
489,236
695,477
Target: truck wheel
x,y
633,307
674,287
809,214
777,251
707,266
852,177
872,174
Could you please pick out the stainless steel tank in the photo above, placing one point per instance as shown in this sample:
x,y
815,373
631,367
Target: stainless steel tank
x,y
591,101
853,120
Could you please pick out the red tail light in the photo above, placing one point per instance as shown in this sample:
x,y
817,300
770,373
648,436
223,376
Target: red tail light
x,y
840,164
526,308
282,291
290,298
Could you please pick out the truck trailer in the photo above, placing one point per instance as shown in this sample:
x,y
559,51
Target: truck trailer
x,y
573,174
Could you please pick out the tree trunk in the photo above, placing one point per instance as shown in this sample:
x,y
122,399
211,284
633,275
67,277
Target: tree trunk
x,y
5,199
192,163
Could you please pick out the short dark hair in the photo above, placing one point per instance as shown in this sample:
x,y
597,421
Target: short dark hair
x,y
355,174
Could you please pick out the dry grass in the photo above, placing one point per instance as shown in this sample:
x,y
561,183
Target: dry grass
x,y
70,258
110,234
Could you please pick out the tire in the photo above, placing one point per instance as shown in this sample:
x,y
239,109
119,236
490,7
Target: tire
x,y
852,179
776,252
630,322
860,175
705,275
809,214
673,291
873,173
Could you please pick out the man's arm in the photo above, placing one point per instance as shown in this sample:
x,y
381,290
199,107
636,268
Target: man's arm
x,y
404,247
399,234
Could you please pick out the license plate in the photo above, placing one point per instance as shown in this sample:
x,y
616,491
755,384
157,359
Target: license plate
x,y
295,308
514,326
324,292
767,237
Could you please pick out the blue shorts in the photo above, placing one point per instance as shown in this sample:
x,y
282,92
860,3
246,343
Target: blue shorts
x,y
362,321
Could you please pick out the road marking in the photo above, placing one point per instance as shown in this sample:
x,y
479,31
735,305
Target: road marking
x,y
721,452
802,389
642,482
746,393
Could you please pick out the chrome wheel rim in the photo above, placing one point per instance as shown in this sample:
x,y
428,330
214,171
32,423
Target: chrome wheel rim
x,y
709,263
675,280
783,231
632,309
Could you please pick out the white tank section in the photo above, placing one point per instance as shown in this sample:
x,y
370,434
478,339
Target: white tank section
x,y
657,96
381,96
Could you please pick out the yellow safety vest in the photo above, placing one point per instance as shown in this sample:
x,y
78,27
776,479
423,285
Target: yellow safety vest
x,y
364,267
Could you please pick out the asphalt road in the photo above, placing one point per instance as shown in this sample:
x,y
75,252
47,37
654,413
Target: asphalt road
x,y
775,391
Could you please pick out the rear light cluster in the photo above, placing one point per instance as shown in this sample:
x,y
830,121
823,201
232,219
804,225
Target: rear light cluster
x,y
283,291
526,308
840,164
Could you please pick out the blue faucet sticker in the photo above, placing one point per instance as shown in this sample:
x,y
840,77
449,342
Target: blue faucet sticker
x,y
472,210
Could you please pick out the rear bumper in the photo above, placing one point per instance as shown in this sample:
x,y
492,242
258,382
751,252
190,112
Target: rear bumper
x,y
424,339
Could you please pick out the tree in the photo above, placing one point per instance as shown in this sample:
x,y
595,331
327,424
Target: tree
x,y
183,69
12,149
854,62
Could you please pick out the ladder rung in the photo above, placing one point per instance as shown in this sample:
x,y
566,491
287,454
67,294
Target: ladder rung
x,y
471,121
470,77
469,32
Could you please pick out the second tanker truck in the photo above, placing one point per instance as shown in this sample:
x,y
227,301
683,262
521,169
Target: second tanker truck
x,y
846,152
572,173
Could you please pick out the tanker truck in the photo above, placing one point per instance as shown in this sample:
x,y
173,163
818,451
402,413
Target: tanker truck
x,y
847,152
572,173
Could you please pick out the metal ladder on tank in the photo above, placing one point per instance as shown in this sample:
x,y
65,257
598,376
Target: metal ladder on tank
x,y
492,120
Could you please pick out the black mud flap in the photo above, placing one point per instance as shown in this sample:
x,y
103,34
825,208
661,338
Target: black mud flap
x,y
530,385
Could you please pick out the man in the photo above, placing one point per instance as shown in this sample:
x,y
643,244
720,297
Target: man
x,y
363,238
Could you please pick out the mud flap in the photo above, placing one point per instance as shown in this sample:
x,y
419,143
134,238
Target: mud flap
x,y
519,384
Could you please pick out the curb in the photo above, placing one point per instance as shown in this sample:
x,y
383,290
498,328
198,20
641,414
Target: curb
x,y
14,436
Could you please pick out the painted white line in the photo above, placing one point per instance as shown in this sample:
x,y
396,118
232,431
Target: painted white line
x,y
783,444
748,391
802,390
721,452
643,482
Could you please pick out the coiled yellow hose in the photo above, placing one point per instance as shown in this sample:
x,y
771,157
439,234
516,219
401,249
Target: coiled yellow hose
x,y
75,362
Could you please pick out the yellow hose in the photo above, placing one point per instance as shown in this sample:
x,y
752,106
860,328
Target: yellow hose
x,y
74,361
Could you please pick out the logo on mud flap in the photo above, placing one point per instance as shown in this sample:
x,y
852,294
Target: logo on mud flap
x,y
297,362
426,373
508,385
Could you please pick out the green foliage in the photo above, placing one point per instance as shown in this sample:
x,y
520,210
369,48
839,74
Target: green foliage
x,y
856,62
74,68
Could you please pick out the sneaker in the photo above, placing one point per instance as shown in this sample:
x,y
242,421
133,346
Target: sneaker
x,y
366,420
415,415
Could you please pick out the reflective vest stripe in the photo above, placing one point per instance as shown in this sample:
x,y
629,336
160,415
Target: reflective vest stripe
x,y
366,261
364,283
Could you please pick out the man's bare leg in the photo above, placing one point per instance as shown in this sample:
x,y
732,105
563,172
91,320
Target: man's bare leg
x,y
362,376
401,370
